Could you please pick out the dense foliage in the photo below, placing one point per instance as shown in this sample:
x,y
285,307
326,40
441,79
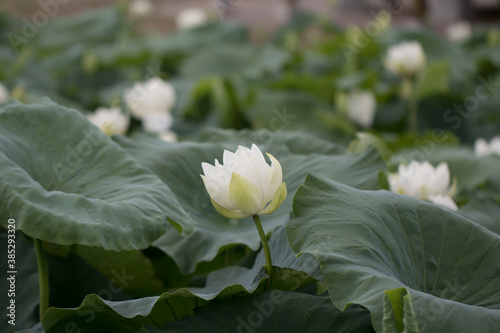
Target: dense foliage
x,y
132,240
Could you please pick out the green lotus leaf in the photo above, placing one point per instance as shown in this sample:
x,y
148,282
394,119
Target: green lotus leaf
x,y
273,311
369,242
66,183
98,315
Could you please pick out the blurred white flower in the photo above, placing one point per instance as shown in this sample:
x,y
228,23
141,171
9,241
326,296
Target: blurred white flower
x,y
110,121
4,93
423,181
152,96
190,18
140,8
444,200
245,185
406,59
459,31
482,148
168,136
157,122
361,107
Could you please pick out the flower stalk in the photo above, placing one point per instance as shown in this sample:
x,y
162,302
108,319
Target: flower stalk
x,y
413,108
408,92
265,246
246,185
43,277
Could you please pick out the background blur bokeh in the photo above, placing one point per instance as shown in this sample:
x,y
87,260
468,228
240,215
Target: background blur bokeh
x,y
267,15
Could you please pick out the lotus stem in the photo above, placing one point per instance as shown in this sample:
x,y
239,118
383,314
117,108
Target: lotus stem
x,y
267,252
410,93
43,277
413,113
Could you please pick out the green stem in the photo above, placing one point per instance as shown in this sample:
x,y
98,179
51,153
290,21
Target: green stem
x,y
265,246
412,101
228,258
413,114
43,277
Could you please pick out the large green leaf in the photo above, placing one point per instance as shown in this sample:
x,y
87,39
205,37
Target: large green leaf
x,y
292,110
182,43
37,328
468,118
98,315
191,40
131,263
273,311
485,212
369,242
313,84
84,279
90,27
239,60
25,283
67,183
179,166
282,142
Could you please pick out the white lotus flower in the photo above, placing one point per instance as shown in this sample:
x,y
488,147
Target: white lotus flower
x,y
406,59
190,18
157,122
140,8
245,185
4,93
152,96
168,136
445,201
423,181
482,148
110,121
361,107
459,31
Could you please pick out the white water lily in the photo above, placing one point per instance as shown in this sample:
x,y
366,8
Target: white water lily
x,y
150,97
140,8
459,31
4,93
406,59
423,181
483,148
361,107
190,18
245,185
110,121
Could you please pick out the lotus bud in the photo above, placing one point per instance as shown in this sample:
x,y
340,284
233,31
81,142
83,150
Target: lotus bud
x,y
110,121
406,59
361,107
